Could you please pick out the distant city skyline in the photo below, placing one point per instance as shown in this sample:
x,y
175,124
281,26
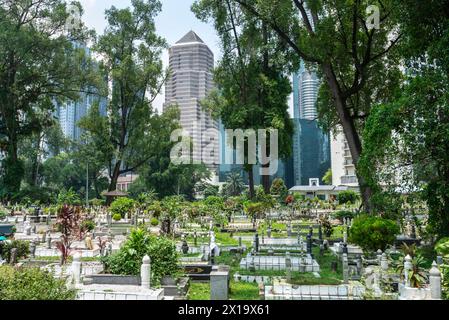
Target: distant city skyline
x,y
172,11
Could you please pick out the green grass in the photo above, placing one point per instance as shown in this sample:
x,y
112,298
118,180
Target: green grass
x,y
199,291
244,291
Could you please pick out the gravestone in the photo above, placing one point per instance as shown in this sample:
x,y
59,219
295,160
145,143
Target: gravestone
x,y
256,242
309,244
288,267
13,257
185,247
269,232
44,237
49,241
33,249
240,242
320,233
219,284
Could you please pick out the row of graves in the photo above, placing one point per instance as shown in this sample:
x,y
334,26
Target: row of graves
x,y
84,270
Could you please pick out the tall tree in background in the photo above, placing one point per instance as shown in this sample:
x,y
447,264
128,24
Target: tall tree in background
x,y
253,87
38,65
131,52
356,62
409,137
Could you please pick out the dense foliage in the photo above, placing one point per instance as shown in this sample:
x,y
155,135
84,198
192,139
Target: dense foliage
x,y
127,261
373,233
32,284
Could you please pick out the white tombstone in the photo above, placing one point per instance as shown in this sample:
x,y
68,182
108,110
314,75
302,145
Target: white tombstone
x,y
384,262
145,273
407,268
76,268
435,282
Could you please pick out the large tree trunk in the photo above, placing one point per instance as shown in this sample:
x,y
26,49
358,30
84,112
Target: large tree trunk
x,y
250,181
350,131
113,183
266,180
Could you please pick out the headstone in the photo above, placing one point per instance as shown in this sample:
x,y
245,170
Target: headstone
x,y
33,249
219,284
289,230
288,267
240,242
76,268
28,230
185,247
407,268
24,218
44,237
269,232
88,242
345,248
309,244
384,262
145,273
13,257
256,242
212,257
439,260
379,257
49,241
311,231
435,282
326,244
320,232
345,268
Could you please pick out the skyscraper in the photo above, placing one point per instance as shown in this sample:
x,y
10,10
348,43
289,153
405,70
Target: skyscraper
x,y
305,93
70,112
191,63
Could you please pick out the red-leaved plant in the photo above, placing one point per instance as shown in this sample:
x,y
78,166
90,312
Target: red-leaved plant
x,y
68,221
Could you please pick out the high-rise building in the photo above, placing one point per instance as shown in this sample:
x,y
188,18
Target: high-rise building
x,y
343,168
70,112
191,63
311,152
305,93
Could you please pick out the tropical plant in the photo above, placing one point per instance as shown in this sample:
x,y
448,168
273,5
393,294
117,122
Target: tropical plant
x,y
347,197
234,185
127,261
417,275
69,223
32,284
68,197
341,215
154,222
117,217
122,206
373,233
327,226
23,249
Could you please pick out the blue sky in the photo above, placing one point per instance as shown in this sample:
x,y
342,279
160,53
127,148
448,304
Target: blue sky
x,y
175,20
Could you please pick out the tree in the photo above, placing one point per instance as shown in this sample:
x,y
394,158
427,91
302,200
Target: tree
x,y
327,179
406,140
39,65
356,62
234,185
253,87
131,52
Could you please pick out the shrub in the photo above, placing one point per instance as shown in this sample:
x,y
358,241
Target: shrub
x,y
87,225
154,222
278,188
23,249
127,261
117,217
373,233
2,214
348,196
32,284
122,206
442,247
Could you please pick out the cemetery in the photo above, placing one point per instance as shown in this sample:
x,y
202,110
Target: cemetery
x,y
168,251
